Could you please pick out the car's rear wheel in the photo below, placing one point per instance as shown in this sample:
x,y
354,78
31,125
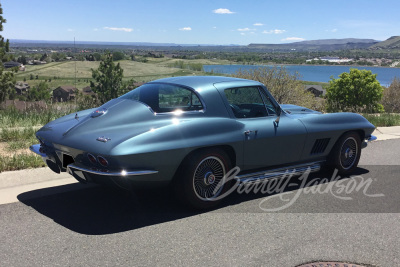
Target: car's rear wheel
x,y
346,153
198,183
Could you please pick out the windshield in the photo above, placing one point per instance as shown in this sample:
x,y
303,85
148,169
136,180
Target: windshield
x,y
165,97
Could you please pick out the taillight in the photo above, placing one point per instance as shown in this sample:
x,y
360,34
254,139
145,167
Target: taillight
x,y
92,158
102,161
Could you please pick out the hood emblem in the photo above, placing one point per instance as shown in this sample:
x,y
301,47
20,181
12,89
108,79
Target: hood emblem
x,y
103,139
98,113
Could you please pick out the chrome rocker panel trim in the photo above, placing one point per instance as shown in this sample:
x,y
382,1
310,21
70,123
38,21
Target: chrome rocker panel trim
x,y
294,170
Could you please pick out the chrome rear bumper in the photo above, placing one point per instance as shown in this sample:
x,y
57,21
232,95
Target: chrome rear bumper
x,y
78,172
122,173
36,149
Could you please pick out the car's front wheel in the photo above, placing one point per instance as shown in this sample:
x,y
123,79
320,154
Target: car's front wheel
x,y
346,153
200,181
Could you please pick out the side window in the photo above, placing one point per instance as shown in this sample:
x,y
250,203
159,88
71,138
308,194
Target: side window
x,y
246,102
163,98
172,98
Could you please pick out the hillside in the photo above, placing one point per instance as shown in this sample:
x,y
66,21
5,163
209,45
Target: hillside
x,y
391,43
319,45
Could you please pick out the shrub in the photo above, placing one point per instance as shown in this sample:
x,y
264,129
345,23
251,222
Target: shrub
x,y
391,97
357,91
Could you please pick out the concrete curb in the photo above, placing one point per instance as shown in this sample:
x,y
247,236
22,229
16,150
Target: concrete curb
x,y
29,176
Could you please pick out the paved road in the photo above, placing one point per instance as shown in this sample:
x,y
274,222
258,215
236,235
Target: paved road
x,y
100,226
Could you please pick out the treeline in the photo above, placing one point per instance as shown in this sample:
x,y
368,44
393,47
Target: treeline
x,y
240,56
190,66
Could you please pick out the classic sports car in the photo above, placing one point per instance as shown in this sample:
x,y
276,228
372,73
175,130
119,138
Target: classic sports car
x,y
190,131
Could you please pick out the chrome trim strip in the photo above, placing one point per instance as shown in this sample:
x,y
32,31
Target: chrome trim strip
x,y
280,172
121,173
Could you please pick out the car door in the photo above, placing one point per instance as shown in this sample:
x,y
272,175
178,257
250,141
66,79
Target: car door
x,y
266,142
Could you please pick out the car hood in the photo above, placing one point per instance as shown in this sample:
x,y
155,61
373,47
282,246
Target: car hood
x,y
293,109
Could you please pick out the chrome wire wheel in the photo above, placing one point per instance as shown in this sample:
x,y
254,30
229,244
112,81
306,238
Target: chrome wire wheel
x,y
207,175
348,153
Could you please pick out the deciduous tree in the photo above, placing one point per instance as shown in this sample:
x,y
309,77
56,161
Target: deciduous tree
x,y
391,96
117,55
39,92
356,91
284,86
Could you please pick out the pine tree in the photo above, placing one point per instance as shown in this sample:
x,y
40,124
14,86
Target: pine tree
x,y
108,79
7,80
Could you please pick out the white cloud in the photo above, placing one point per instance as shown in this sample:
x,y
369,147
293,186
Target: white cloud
x,y
223,11
245,30
333,30
185,29
258,24
118,29
297,39
276,31
242,33
95,29
70,30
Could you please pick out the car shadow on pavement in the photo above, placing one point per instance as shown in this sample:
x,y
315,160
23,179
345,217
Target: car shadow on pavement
x,y
99,210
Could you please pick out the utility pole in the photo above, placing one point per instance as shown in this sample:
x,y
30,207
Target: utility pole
x,y
75,60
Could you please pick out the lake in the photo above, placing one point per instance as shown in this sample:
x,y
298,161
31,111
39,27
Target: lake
x,y
313,73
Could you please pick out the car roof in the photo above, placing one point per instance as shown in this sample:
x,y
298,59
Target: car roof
x,y
197,82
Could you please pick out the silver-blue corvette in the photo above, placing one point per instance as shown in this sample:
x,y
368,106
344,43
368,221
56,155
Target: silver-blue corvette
x,y
189,132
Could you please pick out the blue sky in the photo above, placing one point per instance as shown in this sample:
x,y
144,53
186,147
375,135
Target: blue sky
x,y
218,22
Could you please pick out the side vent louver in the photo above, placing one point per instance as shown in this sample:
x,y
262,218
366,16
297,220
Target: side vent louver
x,y
320,146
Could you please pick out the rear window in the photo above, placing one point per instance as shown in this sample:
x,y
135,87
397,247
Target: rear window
x,y
166,97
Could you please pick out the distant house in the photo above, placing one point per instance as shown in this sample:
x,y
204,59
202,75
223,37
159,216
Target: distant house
x,y
13,64
21,88
64,93
88,91
316,90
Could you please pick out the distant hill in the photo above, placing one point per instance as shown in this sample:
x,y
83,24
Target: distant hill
x,y
308,46
319,45
49,43
338,41
391,43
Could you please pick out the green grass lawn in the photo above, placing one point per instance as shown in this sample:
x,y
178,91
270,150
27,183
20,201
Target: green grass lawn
x,y
17,134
